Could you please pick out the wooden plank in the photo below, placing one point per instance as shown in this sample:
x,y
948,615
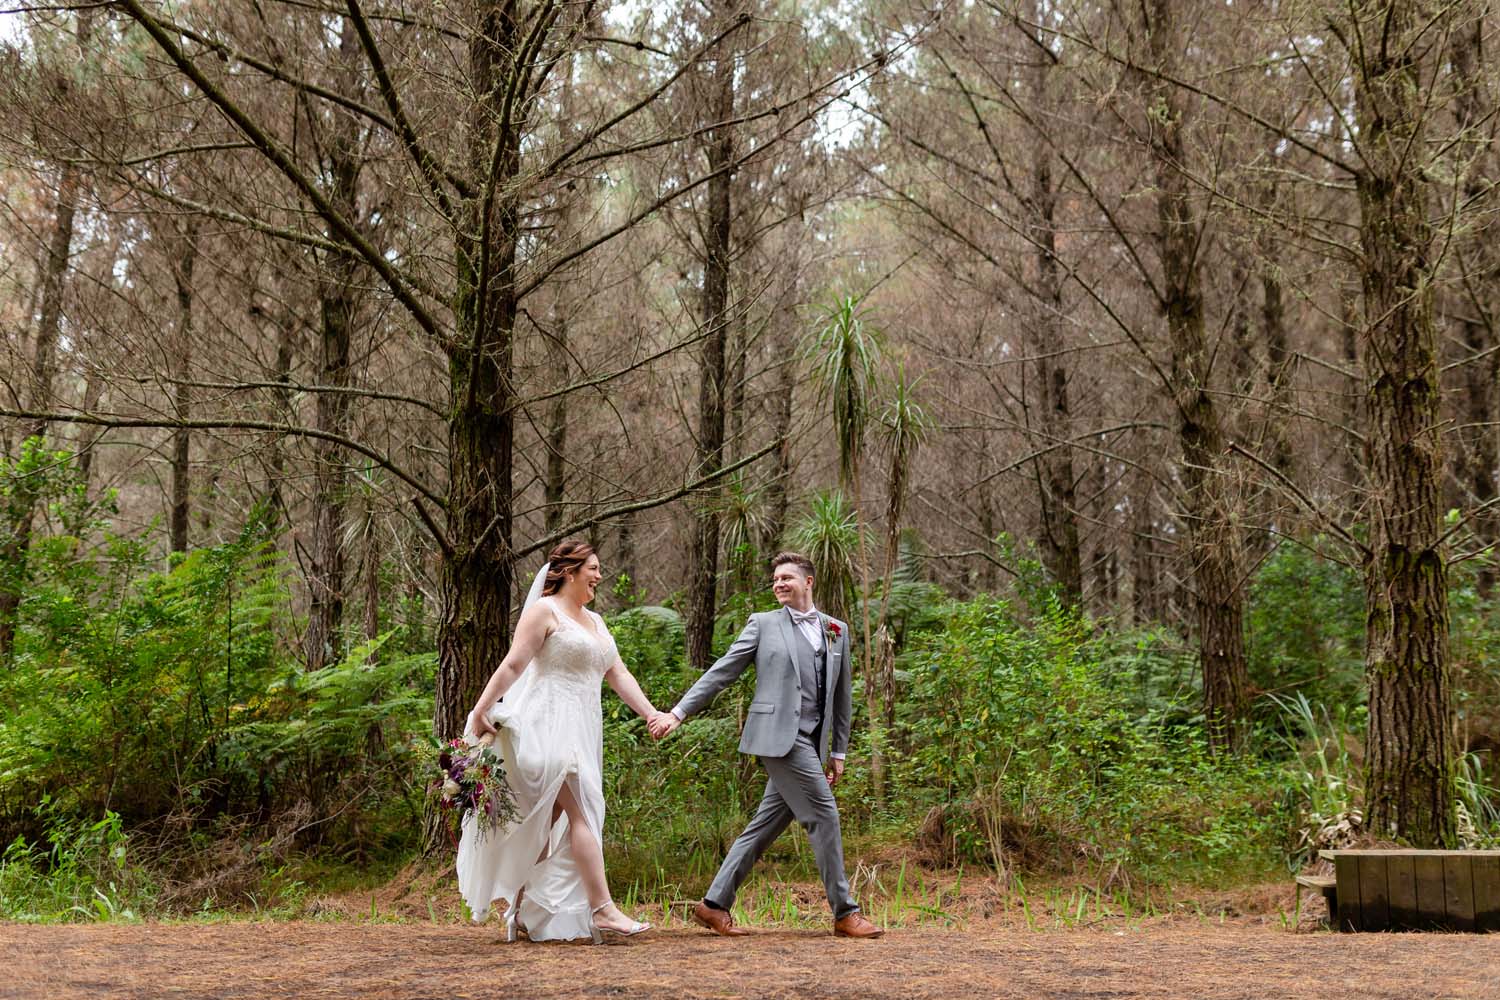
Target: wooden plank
x,y
1432,905
1346,872
1374,892
1401,876
1458,892
1487,894
1397,852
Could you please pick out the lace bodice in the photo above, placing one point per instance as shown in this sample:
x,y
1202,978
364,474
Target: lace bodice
x,y
575,652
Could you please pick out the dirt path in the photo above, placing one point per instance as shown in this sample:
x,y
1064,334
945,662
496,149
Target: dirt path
x,y
328,959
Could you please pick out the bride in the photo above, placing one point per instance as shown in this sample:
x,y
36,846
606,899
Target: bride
x,y
549,864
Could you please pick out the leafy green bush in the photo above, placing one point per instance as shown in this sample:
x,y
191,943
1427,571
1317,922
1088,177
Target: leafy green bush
x,y
1038,755
151,695
652,642
84,873
1305,626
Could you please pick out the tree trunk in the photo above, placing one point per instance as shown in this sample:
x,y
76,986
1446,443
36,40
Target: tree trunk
x,y
1279,364
737,391
1479,449
276,466
182,393
1145,571
624,554
555,424
1350,331
371,574
988,577
1409,767
93,393
476,575
777,492
703,567
337,298
903,456
556,427
1213,539
54,285
1059,503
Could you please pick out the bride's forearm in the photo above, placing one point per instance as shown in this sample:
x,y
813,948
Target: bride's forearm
x,y
624,684
501,680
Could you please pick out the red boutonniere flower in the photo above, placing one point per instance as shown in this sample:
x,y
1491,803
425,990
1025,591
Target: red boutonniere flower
x,y
834,632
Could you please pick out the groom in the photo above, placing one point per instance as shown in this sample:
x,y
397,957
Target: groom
x,y
798,721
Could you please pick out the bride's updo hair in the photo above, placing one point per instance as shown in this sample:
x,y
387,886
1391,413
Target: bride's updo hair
x,y
568,557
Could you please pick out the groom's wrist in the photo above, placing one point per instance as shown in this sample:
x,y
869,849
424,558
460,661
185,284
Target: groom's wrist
x,y
837,756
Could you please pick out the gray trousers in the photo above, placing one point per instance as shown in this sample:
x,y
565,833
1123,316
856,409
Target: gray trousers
x,y
797,789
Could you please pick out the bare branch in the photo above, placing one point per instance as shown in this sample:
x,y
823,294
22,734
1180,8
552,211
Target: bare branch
x,y
288,430
640,505
425,162
272,150
1302,498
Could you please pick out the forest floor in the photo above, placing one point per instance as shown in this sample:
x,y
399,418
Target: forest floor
x,y
336,959
388,945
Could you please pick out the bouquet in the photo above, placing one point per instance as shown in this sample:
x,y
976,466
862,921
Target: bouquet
x,y
471,777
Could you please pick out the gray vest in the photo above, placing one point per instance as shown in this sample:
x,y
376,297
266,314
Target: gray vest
x,y
811,669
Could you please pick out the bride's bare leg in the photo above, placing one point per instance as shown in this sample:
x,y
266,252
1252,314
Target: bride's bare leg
x,y
590,858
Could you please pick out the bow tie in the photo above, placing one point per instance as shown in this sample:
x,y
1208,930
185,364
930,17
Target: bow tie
x,y
804,618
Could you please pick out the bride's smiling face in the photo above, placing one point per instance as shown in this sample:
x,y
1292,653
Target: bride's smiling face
x,y
582,584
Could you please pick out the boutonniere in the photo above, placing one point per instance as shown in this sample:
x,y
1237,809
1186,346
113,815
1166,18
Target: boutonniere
x,y
834,632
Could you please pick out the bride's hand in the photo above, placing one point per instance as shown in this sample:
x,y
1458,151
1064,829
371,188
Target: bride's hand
x,y
480,723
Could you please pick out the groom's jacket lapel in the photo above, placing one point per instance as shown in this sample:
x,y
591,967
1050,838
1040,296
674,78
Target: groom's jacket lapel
x,y
830,661
788,641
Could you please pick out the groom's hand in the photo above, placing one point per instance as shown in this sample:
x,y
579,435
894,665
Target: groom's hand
x,y
835,771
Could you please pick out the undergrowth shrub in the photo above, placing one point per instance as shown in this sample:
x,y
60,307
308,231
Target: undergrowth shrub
x,y
1031,740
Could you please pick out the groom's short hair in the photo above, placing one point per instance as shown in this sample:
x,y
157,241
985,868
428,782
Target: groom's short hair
x,y
796,559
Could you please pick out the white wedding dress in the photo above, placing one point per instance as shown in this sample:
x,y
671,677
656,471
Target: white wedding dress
x,y
551,732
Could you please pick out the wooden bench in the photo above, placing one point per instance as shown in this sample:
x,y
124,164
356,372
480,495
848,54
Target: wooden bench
x,y
1377,890
1327,885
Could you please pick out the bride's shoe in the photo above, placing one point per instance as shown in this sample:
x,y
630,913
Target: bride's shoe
x,y
513,926
600,935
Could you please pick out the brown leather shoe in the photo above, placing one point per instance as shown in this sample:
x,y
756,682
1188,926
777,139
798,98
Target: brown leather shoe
x,y
856,926
717,920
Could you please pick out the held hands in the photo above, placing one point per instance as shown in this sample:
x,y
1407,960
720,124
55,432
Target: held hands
x,y
662,723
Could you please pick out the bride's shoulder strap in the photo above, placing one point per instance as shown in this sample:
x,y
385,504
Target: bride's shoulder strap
x,y
546,603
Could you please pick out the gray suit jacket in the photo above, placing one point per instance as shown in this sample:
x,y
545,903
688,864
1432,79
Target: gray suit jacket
x,y
771,724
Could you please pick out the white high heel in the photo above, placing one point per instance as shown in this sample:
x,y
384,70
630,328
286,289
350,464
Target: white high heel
x,y
513,926
600,935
